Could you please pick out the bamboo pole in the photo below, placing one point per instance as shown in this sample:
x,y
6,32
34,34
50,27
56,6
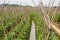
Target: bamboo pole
x,y
45,17
50,5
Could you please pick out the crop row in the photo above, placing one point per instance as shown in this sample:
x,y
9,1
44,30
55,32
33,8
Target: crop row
x,y
22,28
9,24
25,32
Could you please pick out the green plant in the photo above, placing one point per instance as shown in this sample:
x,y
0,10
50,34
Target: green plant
x,y
57,18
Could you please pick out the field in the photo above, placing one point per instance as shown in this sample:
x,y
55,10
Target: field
x,y
15,24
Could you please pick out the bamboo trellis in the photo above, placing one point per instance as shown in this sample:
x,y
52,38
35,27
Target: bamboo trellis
x,y
46,15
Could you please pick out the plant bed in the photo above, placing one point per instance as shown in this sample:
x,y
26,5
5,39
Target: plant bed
x,y
25,32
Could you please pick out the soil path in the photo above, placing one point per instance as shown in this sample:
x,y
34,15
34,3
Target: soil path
x,y
54,26
32,33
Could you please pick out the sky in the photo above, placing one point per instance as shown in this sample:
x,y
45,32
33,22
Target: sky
x,y
29,2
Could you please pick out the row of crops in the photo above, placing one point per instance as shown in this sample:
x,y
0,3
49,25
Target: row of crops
x,y
14,27
17,26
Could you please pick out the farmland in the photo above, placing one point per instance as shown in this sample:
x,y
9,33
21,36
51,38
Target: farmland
x,y
16,21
